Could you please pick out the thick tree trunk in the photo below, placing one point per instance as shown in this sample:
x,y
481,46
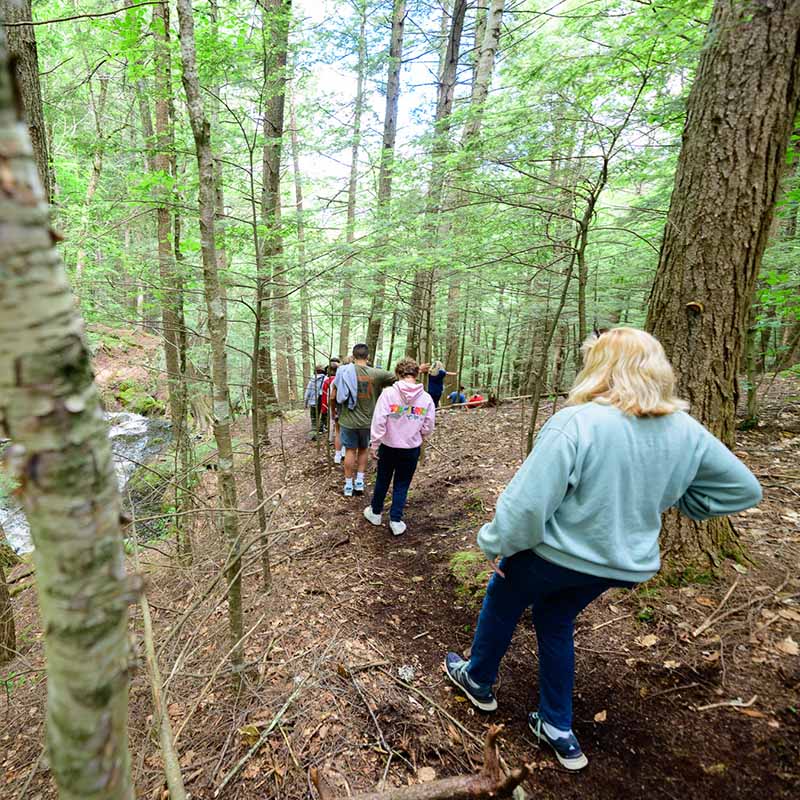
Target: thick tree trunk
x,y
740,115
352,184
217,325
423,282
489,25
23,55
387,162
50,409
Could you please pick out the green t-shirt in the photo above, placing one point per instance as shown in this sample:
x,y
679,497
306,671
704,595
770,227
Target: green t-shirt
x,y
371,382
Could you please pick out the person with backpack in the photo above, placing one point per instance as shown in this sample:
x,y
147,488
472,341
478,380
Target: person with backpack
x,y
583,515
404,416
312,400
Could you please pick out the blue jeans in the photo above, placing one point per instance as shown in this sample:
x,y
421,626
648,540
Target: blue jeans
x,y
556,595
400,464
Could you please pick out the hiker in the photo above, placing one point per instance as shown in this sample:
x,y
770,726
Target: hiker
x,y
583,514
356,389
404,415
458,397
312,399
436,379
476,400
329,410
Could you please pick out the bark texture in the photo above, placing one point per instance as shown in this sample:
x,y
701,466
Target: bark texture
x,y
352,184
24,58
217,324
50,408
374,328
740,115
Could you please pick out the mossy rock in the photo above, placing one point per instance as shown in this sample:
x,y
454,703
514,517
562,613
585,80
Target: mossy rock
x,y
135,398
471,572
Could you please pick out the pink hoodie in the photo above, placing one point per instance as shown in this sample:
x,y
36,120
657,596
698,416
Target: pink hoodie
x,y
404,414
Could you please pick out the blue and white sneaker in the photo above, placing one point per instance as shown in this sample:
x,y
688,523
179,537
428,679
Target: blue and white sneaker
x,y
479,694
358,487
348,490
567,750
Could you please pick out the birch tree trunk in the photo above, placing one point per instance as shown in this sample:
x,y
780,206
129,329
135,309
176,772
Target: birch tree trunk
x,y
374,327
50,408
749,79
24,56
217,325
352,184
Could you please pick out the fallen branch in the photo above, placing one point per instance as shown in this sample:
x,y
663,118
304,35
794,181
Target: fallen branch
x,y
261,739
709,620
712,620
490,782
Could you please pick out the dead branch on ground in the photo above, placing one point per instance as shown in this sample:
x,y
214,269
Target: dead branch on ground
x,y
490,782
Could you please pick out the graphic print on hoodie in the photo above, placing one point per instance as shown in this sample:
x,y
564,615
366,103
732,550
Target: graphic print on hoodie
x,y
404,414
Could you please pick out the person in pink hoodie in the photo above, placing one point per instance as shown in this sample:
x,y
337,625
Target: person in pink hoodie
x,y
404,415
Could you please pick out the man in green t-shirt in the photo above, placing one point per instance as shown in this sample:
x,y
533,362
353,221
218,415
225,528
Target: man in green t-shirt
x,y
356,389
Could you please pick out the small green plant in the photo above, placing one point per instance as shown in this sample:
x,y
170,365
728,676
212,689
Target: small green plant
x,y
646,614
471,572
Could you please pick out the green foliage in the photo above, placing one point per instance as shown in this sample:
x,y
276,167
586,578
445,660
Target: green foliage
x,y
470,570
136,399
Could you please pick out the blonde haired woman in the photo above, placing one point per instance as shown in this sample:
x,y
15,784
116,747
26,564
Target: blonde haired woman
x,y
583,514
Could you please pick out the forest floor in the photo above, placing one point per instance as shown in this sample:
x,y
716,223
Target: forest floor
x,y
345,651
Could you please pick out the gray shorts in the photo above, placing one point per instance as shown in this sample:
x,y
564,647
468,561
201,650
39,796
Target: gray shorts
x,y
355,438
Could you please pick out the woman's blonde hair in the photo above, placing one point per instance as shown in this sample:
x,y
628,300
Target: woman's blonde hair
x,y
627,368
436,367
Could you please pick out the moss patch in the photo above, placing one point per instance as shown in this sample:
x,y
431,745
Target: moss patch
x,y
471,571
134,397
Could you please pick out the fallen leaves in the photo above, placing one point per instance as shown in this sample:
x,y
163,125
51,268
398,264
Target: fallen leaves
x,y
426,774
788,646
646,641
601,716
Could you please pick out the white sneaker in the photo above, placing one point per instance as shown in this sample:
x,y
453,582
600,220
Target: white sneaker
x,y
371,516
397,527
337,458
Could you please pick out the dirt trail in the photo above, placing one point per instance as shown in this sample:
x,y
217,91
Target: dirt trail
x,y
352,606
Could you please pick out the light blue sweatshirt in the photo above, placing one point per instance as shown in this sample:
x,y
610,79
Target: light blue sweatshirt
x,y
590,495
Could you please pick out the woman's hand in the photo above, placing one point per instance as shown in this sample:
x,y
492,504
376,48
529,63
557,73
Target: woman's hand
x,y
496,568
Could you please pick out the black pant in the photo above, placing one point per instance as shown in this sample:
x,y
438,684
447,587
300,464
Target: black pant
x,y
400,463
317,417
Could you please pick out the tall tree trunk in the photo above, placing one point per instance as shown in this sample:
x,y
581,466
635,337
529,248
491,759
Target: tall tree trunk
x,y
387,163
172,315
97,106
421,291
50,408
748,76
488,28
217,325
305,341
23,55
352,184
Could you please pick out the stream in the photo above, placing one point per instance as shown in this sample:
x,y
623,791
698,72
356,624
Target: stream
x,y
135,440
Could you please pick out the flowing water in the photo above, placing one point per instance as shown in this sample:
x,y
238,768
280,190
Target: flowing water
x,y
135,440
